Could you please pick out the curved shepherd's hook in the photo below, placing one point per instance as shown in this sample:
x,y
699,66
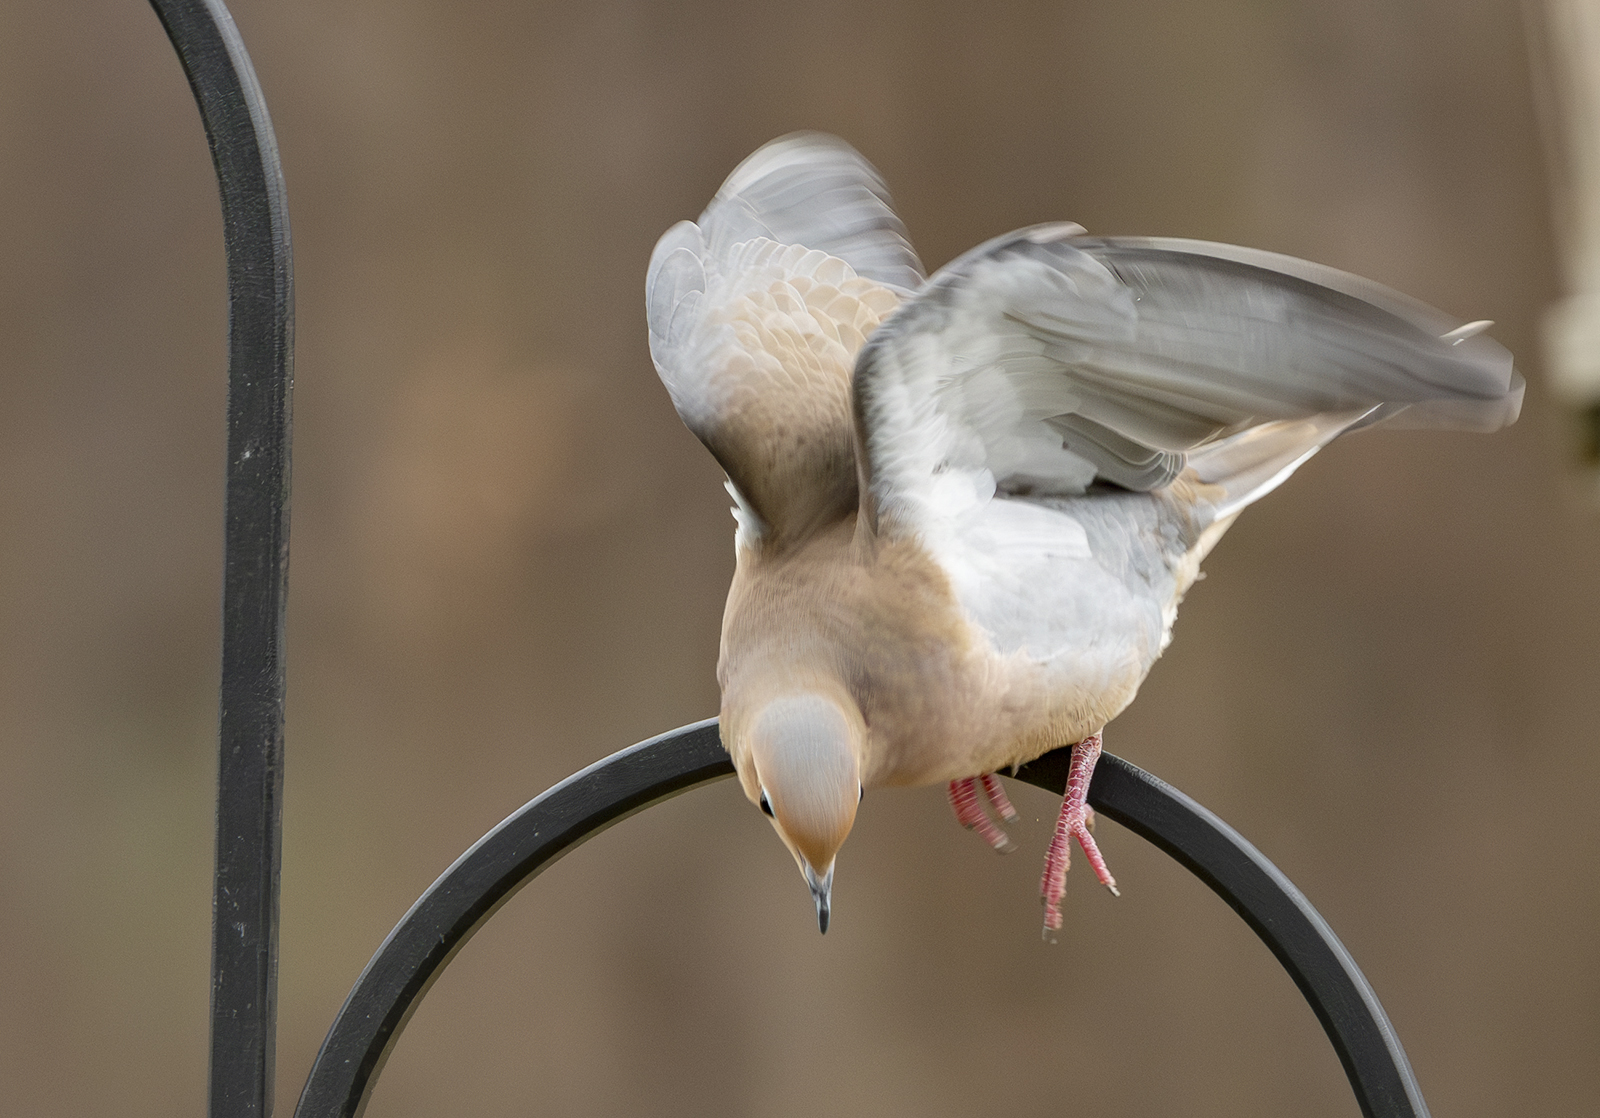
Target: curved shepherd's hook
x,y
255,224
583,805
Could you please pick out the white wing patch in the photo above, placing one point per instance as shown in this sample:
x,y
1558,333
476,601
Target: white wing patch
x,y
1030,577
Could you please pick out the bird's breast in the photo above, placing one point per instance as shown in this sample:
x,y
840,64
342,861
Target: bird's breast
x,y
883,624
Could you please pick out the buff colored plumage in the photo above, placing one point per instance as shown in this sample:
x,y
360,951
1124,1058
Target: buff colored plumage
x,y
969,506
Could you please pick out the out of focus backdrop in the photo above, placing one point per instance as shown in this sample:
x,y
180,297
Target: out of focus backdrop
x,y
510,558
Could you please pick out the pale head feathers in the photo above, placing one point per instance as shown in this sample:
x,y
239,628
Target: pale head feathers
x,y
804,756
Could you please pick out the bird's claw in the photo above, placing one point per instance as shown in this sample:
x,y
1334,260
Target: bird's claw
x,y
997,797
965,802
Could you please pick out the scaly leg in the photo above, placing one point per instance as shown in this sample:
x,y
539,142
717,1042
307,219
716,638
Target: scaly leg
x,y
1074,823
970,813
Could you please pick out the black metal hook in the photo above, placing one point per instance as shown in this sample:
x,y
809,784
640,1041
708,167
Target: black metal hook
x,y
583,805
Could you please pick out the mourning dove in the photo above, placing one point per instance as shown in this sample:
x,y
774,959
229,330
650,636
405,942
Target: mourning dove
x,y
969,505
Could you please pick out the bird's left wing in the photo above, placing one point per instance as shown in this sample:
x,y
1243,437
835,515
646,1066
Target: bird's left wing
x,y
756,314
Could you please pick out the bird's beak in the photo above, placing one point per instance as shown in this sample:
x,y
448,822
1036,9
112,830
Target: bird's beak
x,y
821,892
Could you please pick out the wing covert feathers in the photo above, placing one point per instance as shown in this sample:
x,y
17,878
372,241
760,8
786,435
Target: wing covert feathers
x,y
757,312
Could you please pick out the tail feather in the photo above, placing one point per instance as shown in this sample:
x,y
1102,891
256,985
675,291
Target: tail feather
x,y
1249,465
1253,463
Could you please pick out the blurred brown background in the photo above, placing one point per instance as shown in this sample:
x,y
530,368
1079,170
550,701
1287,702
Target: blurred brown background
x,y
509,560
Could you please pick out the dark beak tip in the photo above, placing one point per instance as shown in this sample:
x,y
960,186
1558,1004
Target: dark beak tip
x,y
821,895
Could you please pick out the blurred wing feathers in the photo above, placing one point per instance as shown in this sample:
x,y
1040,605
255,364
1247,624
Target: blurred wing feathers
x,y
1045,361
812,189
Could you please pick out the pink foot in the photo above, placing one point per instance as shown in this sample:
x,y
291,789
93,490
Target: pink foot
x,y
1074,823
970,814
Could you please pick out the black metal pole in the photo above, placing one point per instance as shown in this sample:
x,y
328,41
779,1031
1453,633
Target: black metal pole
x,y
244,960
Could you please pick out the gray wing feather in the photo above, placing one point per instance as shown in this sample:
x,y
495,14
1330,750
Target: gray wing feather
x,y
1298,337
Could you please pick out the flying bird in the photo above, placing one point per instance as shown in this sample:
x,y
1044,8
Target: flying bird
x,y
968,505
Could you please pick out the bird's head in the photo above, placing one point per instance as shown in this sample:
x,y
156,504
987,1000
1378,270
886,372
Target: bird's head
x,y
800,762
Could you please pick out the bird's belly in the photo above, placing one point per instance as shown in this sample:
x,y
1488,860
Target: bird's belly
x,y
995,712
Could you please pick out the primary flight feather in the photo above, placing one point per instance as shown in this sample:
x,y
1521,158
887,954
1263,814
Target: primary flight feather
x,y
969,505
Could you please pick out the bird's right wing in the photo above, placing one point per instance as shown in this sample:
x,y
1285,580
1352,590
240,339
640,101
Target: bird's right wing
x,y
757,312
1046,361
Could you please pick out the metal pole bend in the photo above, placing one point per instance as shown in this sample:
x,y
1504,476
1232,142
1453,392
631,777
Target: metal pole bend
x,y
474,888
585,804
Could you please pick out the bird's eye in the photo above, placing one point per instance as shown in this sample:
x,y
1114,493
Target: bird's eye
x,y
765,806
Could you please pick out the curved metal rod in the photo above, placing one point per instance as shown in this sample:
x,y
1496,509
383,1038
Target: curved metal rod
x,y
1276,911
244,959
585,804
479,882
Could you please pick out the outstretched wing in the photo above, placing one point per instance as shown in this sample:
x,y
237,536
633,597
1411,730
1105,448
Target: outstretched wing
x,y
757,312
1047,376
1046,360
